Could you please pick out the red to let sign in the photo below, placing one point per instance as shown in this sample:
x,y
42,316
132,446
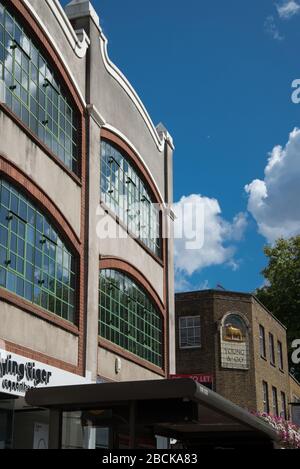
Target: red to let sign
x,y
201,379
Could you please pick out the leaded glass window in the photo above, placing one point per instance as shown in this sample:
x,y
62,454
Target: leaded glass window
x,y
35,264
128,317
126,194
33,91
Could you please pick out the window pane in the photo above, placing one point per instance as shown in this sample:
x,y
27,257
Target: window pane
x,y
28,257
34,94
128,318
190,332
125,193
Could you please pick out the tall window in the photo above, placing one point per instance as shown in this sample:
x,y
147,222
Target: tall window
x,y
124,192
35,264
128,317
266,403
280,355
33,91
272,349
262,341
283,405
275,402
189,332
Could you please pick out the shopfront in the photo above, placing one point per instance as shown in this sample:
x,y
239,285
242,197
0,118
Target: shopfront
x,y
21,425
123,415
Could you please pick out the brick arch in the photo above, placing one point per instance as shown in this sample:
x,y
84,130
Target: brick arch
x,y
18,178
25,16
115,263
111,137
136,275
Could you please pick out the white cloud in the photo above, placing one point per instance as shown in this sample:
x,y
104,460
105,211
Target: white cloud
x,y
287,9
219,238
271,28
274,201
183,283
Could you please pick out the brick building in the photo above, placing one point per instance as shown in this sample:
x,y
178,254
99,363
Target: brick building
x,y
77,147
235,340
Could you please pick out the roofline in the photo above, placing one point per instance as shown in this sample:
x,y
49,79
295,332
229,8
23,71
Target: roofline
x,y
294,379
251,296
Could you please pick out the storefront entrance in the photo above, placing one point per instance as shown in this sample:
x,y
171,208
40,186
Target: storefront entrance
x,y
6,421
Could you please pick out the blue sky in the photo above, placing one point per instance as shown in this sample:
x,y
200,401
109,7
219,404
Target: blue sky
x,y
218,75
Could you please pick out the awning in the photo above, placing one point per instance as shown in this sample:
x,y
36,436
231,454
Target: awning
x,y
179,409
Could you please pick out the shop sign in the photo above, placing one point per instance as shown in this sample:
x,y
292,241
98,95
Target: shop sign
x,y
19,374
234,337
204,379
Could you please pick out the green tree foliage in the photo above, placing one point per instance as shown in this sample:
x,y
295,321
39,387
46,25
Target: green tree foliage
x,y
281,295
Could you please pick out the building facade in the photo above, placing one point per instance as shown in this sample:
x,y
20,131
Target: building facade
x,y
86,276
231,338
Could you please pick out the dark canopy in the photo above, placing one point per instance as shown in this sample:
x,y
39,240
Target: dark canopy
x,y
180,409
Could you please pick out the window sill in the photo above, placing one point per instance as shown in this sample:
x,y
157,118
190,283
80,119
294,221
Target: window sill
x,y
195,347
131,235
116,349
40,313
39,143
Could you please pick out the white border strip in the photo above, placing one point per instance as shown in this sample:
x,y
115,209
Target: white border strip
x,y
113,70
80,47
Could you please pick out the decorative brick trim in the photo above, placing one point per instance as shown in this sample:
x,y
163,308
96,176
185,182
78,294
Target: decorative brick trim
x,y
35,310
22,12
135,274
33,355
83,268
105,344
39,143
111,137
117,219
25,15
166,318
19,178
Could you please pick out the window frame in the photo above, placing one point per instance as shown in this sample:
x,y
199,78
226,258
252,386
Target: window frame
x,y
129,298
262,342
283,404
38,130
275,404
266,399
42,245
280,355
133,181
272,349
188,347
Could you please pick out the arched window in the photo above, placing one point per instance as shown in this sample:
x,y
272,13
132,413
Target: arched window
x,y
126,194
35,264
128,317
34,93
